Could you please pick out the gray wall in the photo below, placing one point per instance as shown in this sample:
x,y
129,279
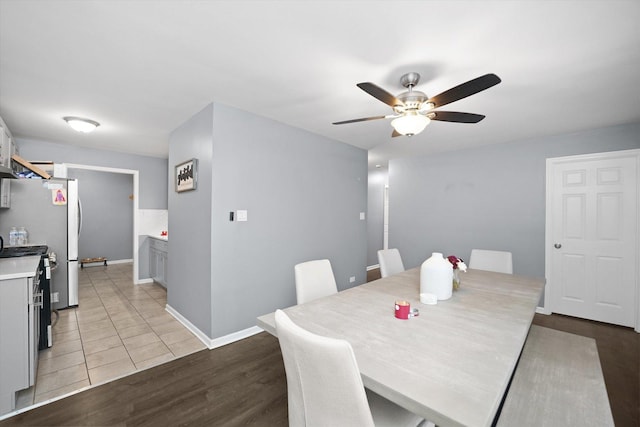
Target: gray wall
x,y
152,170
491,197
107,214
189,263
375,211
303,193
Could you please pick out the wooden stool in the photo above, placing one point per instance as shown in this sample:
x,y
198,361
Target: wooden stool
x,y
84,261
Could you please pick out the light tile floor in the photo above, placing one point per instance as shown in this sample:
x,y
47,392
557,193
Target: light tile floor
x,y
118,328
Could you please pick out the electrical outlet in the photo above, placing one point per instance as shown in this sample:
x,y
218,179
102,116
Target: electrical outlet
x,y
352,279
55,297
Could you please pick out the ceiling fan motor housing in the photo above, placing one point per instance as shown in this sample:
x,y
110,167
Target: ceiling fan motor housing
x,y
412,99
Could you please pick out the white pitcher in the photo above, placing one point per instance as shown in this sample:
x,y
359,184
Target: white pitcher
x,y
436,275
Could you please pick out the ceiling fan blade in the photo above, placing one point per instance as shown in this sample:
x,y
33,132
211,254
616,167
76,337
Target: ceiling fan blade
x,y
365,119
453,116
379,93
395,133
465,89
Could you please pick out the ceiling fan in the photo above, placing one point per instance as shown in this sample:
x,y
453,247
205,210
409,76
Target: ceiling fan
x,y
413,110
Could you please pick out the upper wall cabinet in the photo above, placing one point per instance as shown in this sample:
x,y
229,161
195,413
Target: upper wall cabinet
x,y
7,149
7,145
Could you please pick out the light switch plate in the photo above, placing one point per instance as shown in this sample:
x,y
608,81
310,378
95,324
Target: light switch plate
x,y
361,215
241,215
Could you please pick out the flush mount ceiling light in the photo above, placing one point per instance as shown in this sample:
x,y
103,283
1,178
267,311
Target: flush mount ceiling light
x,y
81,125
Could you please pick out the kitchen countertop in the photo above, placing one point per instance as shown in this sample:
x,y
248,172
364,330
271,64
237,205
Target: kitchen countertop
x,y
18,267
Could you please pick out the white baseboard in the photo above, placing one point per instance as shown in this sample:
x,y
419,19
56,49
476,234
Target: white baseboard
x,y
190,326
373,267
143,281
119,261
216,342
541,310
236,336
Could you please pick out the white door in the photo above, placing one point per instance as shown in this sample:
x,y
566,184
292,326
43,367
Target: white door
x,y
592,236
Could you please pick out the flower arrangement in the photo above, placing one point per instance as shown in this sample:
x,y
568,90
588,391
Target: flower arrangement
x,y
458,265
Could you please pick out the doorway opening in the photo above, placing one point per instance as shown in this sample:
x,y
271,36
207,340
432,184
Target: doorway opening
x,y
135,176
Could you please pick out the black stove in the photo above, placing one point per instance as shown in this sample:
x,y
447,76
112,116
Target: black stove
x,y
18,251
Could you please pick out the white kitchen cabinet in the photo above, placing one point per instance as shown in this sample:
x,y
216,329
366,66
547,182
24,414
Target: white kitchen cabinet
x,y
7,149
18,328
5,193
7,145
158,253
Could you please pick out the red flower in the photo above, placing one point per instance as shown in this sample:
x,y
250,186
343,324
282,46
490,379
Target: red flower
x,y
454,260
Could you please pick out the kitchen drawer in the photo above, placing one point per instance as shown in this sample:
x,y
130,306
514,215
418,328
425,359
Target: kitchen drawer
x,y
159,245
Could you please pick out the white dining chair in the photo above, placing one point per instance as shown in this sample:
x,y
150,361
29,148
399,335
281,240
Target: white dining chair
x,y
314,279
489,260
390,262
324,386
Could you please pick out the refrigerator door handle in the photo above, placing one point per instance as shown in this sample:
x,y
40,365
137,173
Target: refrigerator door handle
x,y
79,216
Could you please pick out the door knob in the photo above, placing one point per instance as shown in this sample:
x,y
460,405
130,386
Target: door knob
x,y
557,245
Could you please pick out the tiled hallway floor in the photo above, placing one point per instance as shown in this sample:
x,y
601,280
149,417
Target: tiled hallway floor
x,y
117,329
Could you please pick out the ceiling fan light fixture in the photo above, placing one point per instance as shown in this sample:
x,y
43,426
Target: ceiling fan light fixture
x,y
410,124
81,125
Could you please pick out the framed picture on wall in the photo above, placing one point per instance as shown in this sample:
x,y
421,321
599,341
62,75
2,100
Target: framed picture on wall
x,y
186,176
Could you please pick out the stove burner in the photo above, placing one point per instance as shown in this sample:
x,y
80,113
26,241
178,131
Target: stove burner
x,y
18,251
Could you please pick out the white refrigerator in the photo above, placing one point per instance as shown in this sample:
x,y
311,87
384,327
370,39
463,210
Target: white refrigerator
x,y
50,212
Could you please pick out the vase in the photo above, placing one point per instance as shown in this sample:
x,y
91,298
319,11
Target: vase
x,y
436,275
456,279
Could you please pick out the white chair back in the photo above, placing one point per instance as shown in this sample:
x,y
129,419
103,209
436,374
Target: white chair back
x,y
323,380
498,261
314,279
324,385
390,262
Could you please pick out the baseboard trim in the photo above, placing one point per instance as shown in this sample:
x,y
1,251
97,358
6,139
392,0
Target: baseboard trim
x,y
216,342
236,336
373,267
190,326
119,261
541,310
143,281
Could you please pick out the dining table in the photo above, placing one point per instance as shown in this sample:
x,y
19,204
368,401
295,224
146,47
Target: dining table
x,y
453,362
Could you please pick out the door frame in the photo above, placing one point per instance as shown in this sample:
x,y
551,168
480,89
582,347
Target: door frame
x,y
550,162
385,218
136,187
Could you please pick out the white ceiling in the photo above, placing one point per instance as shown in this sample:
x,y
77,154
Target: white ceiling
x,y
142,68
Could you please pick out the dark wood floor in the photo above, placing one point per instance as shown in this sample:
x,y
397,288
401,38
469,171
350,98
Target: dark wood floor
x,y
244,384
241,384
